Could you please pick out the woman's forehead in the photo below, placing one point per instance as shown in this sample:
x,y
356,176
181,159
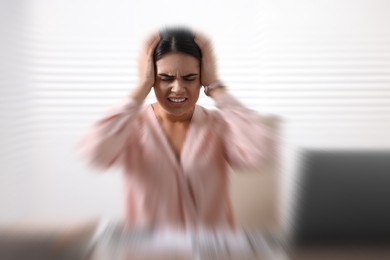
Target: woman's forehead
x,y
176,62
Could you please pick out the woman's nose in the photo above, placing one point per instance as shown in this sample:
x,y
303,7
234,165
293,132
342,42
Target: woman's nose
x,y
177,86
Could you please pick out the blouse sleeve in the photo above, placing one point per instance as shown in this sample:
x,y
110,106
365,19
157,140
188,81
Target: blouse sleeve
x,y
104,143
248,142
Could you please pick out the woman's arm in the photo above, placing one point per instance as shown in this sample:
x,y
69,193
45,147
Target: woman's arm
x,y
107,139
248,142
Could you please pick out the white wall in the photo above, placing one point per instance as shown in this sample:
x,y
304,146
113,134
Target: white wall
x,y
321,66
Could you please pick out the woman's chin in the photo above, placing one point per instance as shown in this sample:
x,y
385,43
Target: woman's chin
x,y
180,111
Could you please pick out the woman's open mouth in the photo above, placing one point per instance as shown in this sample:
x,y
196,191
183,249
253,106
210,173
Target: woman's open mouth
x,y
177,101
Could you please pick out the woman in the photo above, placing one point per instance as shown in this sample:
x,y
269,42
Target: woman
x,y
176,154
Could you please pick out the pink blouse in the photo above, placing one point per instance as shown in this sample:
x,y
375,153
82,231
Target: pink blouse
x,y
192,192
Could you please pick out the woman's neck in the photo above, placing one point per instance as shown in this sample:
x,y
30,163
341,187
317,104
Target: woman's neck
x,y
166,117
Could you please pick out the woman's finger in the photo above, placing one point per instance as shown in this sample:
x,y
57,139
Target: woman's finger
x,y
201,39
205,46
145,60
152,41
208,68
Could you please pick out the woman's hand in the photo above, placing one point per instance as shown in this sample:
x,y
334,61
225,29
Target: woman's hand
x,y
208,67
146,73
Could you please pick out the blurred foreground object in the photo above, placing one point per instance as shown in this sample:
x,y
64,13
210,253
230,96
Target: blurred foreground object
x,y
112,240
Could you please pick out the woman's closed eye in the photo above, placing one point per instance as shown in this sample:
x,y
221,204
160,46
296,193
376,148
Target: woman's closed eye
x,y
171,79
189,79
166,79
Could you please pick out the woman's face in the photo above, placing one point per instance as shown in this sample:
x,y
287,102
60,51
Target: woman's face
x,y
177,83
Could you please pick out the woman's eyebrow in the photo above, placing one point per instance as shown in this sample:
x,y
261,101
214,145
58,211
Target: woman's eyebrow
x,y
190,75
165,75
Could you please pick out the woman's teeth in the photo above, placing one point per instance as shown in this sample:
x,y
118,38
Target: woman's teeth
x,y
177,100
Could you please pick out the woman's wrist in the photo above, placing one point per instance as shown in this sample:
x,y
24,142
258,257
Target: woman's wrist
x,y
216,93
214,89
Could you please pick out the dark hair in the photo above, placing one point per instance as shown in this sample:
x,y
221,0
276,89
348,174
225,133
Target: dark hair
x,y
177,39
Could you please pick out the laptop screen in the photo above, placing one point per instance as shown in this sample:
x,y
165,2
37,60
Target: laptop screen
x,y
343,198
